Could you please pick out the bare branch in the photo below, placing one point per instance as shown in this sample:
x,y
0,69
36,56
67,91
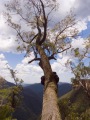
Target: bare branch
x,y
44,24
35,53
25,19
43,8
35,59
87,56
64,49
60,32
19,34
51,57
33,38
51,11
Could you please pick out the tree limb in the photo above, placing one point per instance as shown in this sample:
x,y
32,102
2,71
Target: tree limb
x,y
65,49
44,24
35,59
63,31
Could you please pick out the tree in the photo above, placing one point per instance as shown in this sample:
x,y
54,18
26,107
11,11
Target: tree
x,y
80,70
10,97
45,39
15,96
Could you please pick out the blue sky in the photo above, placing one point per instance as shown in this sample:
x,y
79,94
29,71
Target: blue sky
x,y
86,33
32,73
13,58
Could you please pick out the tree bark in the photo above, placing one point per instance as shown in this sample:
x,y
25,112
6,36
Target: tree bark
x,y
45,63
50,110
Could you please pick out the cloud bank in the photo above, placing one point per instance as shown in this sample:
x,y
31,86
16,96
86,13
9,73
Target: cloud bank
x,y
32,73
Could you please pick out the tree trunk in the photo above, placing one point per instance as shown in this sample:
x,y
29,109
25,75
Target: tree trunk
x,y
50,110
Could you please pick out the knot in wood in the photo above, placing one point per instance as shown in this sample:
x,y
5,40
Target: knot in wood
x,y
54,78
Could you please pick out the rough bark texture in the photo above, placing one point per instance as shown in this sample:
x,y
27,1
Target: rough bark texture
x,y
50,109
45,63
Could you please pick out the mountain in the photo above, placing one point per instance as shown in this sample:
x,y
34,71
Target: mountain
x,y
63,88
4,83
31,105
75,105
32,99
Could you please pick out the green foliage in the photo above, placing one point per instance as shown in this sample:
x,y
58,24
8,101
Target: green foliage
x,y
49,46
37,20
5,108
4,93
75,106
10,99
86,115
81,71
5,112
76,52
15,96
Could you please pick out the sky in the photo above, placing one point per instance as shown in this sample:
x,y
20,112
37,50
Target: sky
x,y
31,73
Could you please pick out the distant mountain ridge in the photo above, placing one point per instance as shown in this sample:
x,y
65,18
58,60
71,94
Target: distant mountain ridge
x,y
33,97
32,100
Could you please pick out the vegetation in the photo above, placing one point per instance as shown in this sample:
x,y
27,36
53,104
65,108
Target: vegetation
x,y
44,41
36,36
5,108
10,97
75,105
8,103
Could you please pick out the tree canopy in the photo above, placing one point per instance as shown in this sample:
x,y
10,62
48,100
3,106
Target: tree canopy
x,y
36,25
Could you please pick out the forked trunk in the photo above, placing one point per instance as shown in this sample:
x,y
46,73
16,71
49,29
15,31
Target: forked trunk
x,y
50,110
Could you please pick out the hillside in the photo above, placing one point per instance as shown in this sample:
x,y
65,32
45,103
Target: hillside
x,y
38,89
75,105
31,104
32,100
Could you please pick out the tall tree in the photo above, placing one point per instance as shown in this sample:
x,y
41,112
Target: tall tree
x,y
10,96
81,70
37,32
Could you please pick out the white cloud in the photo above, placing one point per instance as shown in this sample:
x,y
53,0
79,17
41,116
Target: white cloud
x,y
2,56
8,44
28,58
65,7
82,8
32,73
7,35
81,25
4,72
78,43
